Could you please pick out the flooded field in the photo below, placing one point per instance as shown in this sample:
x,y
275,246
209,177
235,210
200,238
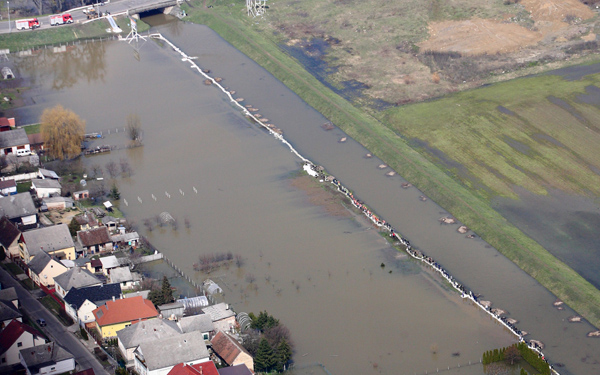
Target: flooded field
x,y
352,303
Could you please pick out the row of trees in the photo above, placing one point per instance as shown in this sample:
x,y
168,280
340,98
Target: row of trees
x,y
513,354
269,342
164,294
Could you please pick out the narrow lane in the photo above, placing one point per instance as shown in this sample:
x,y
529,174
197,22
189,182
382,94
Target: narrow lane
x,y
54,328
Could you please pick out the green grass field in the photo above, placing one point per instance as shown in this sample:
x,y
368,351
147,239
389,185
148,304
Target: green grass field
x,y
470,205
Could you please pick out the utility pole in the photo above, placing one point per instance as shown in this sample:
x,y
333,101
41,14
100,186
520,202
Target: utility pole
x,y
9,26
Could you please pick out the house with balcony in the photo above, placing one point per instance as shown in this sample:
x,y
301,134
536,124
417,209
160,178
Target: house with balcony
x,y
55,240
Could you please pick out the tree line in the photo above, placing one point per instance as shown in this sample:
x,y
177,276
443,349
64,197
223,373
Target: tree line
x,y
514,353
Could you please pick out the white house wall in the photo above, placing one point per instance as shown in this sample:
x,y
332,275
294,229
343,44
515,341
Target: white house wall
x,y
27,340
85,312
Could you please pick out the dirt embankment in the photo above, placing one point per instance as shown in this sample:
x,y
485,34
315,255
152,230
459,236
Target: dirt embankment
x,y
553,20
320,196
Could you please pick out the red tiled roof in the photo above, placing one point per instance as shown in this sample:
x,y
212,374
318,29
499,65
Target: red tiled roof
x,y
226,347
12,332
205,368
7,121
96,236
124,310
89,371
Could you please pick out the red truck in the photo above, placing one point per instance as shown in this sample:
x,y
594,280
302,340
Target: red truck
x,y
60,19
28,23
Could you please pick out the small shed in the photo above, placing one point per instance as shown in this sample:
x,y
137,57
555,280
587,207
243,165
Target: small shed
x,y
171,311
82,194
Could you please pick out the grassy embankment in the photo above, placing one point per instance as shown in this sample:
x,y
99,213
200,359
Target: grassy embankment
x,y
469,206
22,40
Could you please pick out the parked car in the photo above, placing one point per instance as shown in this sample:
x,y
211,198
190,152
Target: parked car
x,y
41,322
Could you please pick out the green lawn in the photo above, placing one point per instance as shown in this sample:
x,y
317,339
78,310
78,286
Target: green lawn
x,y
23,187
13,268
469,203
32,129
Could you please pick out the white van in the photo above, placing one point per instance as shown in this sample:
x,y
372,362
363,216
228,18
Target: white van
x,y
23,152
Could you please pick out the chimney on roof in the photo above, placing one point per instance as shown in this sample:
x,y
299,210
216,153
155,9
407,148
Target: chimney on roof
x,y
113,298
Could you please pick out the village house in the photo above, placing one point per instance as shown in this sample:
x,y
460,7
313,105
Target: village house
x,y
44,268
15,337
95,266
8,187
46,187
81,302
55,240
109,263
47,359
115,315
222,316
125,277
74,278
57,203
230,351
80,195
9,238
204,368
19,209
86,221
186,348
14,142
8,313
9,296
200,323
240,369
129,338
96,240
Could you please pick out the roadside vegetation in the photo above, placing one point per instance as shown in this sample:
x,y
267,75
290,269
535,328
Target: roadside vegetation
x,y
468,202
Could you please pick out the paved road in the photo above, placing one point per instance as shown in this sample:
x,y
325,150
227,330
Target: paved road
x,y
54,329
114,7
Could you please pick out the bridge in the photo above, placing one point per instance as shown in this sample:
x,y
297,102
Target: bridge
x,y
115,7
152,5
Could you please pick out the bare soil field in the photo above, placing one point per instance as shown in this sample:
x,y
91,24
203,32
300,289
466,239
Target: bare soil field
x,y
409,51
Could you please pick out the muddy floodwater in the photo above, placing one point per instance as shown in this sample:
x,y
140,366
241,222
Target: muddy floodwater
x,y
353,304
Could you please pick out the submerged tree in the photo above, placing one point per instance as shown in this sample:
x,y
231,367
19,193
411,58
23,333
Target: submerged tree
x,y
62,131
134,128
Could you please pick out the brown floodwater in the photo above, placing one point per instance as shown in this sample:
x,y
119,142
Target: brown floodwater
x,y
321,275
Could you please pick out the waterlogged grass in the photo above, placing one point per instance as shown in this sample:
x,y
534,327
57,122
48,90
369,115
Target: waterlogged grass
x,y
535,143
470,206
23,40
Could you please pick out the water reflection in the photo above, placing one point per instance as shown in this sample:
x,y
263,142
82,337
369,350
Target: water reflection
x,y
68,64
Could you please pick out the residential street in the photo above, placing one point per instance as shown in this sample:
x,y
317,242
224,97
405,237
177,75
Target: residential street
x,y
54,328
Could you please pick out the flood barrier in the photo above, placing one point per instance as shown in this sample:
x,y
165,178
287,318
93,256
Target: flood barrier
x,y
320,173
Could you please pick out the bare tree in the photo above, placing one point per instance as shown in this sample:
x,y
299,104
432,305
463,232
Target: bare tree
x,y
250,279
96,170
512,355
134,128
62,131
239,260
125,167
112,169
